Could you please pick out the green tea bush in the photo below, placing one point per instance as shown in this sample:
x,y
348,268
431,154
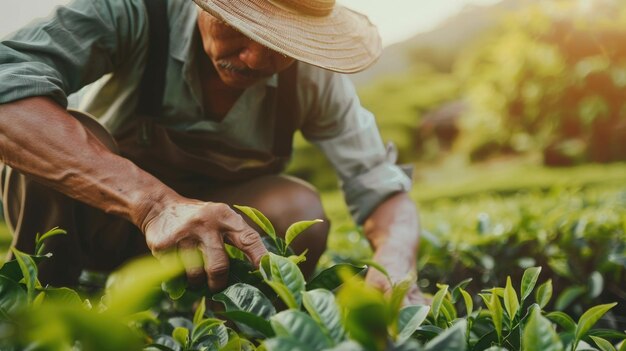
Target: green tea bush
x,y
578,235
274,308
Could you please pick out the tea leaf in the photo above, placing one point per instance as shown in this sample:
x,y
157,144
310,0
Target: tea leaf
x,y
348,345
589,318
285,343
297,228
398,292
247,298
283,292
529,279
175,288
410,318
198,316
299,258
12,297
287,273
450,339
365,313
181,335
259,219
564,321
460,286
510,300
39,239
544,293
64,296
448,311
243,297
329,278
603,344
323,308
29,271
438,300
496,314
251,320
469,303
538,333
302,327
130,288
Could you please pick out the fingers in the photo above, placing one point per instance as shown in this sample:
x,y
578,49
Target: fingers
x,y
216,263
191,258
249,241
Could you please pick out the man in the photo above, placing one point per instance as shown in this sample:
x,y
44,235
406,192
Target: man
x,y
199,104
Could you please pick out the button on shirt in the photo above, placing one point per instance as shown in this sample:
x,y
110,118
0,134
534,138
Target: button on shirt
x,y
104,42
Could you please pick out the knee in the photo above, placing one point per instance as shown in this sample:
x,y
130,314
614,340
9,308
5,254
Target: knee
x,y
297,201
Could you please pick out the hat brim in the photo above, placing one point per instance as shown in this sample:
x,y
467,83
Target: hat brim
x,y
343,41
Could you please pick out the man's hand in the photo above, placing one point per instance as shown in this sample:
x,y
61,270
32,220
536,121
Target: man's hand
x,y
190,225
399,267
392,229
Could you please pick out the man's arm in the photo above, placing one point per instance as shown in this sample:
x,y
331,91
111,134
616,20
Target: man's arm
x,y
393,231
39,138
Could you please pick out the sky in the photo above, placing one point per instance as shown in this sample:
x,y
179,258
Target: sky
x,y
396,19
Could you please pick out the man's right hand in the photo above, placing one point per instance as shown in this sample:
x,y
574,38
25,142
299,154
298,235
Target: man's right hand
x,y
190,225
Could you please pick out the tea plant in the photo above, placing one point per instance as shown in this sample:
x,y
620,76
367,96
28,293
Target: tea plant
x,y
274,308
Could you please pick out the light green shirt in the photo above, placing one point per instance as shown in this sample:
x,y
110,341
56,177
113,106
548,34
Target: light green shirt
x,y
105,41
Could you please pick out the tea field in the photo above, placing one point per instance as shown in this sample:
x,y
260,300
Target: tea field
x,y
515,257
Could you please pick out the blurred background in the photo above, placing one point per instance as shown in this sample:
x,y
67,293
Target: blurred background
x,y
513,116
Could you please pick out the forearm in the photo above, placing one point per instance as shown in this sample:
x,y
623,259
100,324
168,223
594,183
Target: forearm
x,y
39,138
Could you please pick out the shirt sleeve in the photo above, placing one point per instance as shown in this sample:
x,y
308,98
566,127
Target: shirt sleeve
x,y
75,46
347,134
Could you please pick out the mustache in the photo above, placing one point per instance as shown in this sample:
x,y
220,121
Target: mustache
x,y
244,71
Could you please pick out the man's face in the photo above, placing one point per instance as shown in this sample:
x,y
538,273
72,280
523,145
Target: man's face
x,y
239,61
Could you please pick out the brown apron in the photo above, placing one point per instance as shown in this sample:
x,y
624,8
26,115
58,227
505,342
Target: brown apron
x,y
184,160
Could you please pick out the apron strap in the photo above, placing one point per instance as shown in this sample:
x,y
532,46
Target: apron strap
x,y
287,112
152,86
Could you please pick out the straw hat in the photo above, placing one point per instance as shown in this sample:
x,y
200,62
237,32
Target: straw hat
x,y
318,32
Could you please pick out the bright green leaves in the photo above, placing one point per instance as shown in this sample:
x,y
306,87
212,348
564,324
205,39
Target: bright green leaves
x,y
438,301
302,327
529,279
255,306
259,219
538,333
39,239
284,276
29,271
131,288
12,297
588,319
451,339
510,300
492,301
292,232
365,313
469,303
297,228
603,344
544,293
323,309
410,318
330,279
